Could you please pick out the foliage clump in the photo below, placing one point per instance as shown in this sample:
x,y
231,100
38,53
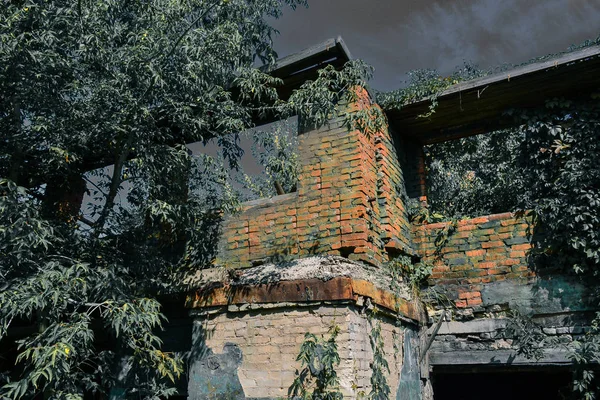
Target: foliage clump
x,y
426,84
276,151
477,175
317,379
99,99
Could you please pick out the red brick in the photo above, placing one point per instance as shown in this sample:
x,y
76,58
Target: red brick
x,y
438,225
496,217
353,243
355,236
466,228
486,265
474,302
469,295
461,303
474,253
510,261
479,220
487,245
452,255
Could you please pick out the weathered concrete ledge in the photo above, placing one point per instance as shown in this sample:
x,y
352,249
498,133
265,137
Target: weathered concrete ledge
x,y
306,280
485,342
496,357
475,326
340,288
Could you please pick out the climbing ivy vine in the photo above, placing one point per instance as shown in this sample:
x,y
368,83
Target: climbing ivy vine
x,y
426,84
380,369
317,378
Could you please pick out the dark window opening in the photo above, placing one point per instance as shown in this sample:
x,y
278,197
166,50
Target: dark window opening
x,y
496,383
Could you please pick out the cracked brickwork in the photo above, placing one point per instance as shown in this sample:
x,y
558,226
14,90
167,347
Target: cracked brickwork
x,y
349,202
478,251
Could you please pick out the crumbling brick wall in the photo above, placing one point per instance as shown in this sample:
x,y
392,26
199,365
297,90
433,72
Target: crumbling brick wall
x,y
476,252
349,202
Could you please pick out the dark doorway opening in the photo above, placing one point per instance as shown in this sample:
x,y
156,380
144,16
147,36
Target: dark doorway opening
x,y
501,383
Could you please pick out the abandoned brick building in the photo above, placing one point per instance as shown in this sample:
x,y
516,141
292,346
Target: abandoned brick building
x,y
310,259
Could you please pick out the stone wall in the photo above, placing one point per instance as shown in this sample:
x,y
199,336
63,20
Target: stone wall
x,y
251,351
492,340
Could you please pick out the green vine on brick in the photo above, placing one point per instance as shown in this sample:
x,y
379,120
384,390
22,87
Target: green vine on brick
x,y
317,378
368,121
528,336
405,269
443,235
420,214
380,389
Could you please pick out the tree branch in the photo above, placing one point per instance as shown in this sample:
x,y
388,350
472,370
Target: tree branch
x,y
93,184
118,166
185,32
86,221
115,183
17,157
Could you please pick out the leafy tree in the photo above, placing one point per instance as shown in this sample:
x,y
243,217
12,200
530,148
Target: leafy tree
x,y
561,153
105,94
477,175
275,150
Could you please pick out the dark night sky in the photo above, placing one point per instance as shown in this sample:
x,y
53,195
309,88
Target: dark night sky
x,y
396,36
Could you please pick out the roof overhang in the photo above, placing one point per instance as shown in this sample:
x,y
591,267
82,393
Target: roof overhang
x,y
300,67
480,105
